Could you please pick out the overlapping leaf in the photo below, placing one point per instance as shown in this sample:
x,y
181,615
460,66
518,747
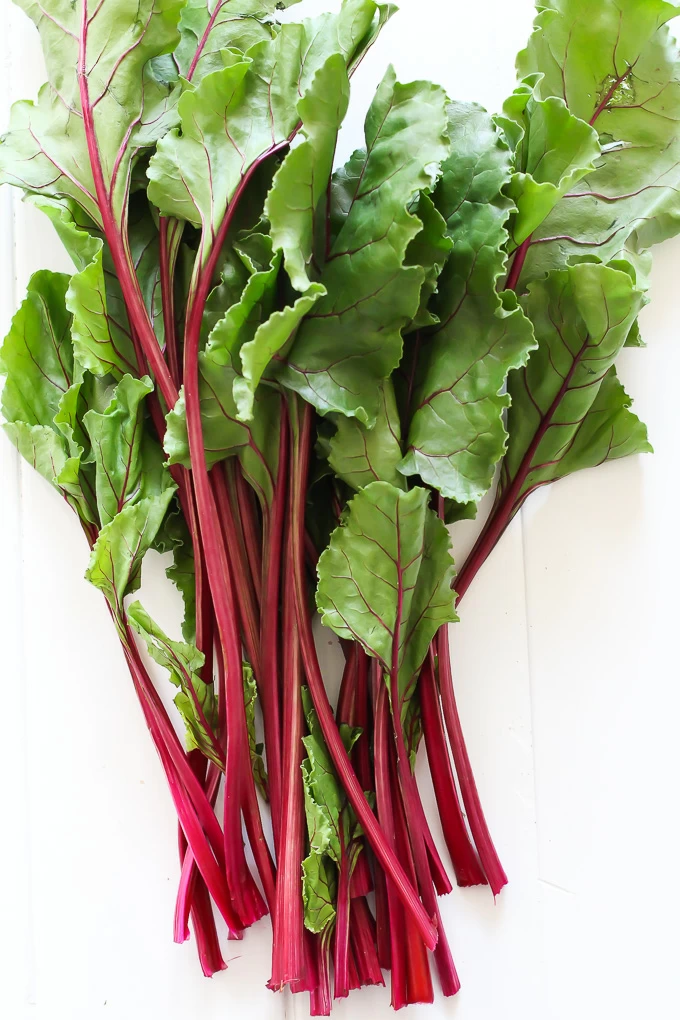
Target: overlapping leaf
x,y
553,151
568,409
351,340
113,46
385,579
456,434
331,824
240,112
618,71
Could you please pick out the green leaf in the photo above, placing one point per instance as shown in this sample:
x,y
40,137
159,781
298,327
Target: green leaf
x,y
385,579
351,340
129,463
456,435
208,28
256,760
116,560
553,151
101,344
256,443
239,113
319,892
196,700
430,249
359,455
619,72
41,396
37,354
46,149
270,341
568,409
296,204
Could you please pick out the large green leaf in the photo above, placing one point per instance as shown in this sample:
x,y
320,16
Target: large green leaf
x,y
456,434
616,68
196,700
351,340
385,579
116,561
568,409
553,151
115,43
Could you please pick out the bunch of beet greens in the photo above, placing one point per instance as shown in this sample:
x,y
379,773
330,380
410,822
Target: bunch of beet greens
x,y
290,377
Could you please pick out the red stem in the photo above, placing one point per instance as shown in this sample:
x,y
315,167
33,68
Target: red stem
x,y
480,833
463,856
270,628
363,936
252,532
342,919
289,957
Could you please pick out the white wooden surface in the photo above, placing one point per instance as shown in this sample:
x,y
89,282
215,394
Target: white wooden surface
x,y
567,670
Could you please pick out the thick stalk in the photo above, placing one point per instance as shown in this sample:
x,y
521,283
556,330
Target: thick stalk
x,y
167,260
491,864
363,936
342,921
395,918
336,748
289,956
252,530
270,635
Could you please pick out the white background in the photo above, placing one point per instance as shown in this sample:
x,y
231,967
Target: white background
x,y
566,664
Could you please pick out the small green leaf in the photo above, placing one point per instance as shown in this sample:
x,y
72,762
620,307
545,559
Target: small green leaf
x,y
359,455
250,700
196,701
116,560
319,892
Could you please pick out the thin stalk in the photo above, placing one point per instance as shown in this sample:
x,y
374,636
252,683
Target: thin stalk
x,y
342,919
336,748
463,855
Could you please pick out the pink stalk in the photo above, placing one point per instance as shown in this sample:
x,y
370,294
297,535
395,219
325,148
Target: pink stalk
x,y
463,855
